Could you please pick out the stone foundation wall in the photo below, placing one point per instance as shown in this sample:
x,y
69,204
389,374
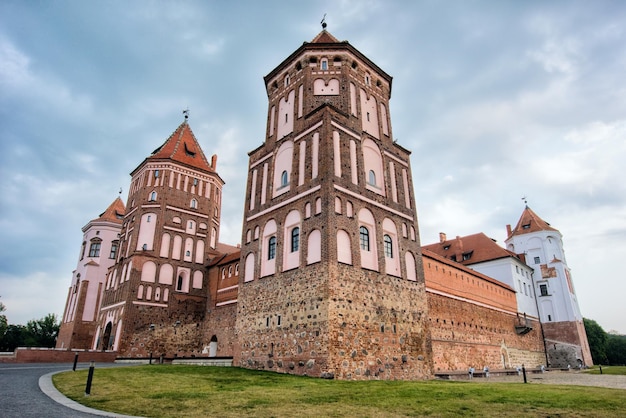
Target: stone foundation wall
x,y
377,326
566,343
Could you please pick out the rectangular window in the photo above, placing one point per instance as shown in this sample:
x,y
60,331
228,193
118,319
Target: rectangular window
x,y
537,260
543,288
114,247
94,249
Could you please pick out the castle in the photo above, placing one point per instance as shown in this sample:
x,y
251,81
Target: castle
x,y
330,279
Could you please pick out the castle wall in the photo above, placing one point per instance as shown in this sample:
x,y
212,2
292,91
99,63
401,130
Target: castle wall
x,y
472,321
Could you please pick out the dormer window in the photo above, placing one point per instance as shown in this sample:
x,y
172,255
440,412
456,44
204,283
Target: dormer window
x,y
526,226
447,247
467,256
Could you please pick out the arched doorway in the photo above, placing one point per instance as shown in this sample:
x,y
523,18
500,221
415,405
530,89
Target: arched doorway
x,y
106,336
213,346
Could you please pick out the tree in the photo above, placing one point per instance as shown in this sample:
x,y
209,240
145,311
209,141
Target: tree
x,y
42,332
37,333
616,349
597,338
3,320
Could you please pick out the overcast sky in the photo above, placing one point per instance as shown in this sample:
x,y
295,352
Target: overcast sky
x,y
497,100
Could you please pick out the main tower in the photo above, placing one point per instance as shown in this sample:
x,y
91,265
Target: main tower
x,y
332,282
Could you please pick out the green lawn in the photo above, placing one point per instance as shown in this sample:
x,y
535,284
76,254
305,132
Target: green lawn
x,y
196,391
607,370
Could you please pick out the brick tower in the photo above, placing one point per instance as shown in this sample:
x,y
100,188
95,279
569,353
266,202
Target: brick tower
x,y
332,282
155,295
98,252
562,322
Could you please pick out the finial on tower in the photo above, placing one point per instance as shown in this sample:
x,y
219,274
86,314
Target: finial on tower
x,y
525,201
120,192
186,113
323,22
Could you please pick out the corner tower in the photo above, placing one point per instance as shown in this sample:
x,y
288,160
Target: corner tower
x,y
562,322
98,252
155,295
332,282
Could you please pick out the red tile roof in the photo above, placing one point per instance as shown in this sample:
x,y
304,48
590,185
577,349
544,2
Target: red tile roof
x,y
114,213
324,38
470,249
530,222
433,255
183,147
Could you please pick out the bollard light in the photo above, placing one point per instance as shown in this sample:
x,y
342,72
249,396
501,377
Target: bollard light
x,y
89,378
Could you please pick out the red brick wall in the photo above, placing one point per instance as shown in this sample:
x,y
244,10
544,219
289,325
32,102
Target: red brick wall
x,y
49,355
472,321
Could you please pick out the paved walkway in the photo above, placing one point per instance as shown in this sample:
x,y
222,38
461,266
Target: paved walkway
x,y
563,378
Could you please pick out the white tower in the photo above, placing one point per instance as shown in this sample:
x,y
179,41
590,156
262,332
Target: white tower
x,y
98,252
542,246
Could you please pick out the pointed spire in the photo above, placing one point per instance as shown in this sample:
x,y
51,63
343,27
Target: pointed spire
x,y
530,222
114,213
183,147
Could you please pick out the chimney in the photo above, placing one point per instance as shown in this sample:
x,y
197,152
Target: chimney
x,y
214,162
459,249
442,237
508,230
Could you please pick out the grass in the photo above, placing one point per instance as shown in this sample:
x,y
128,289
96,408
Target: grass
x,y
620,370
195,391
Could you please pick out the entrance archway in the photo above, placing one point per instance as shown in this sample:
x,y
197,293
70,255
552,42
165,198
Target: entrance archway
x,y
106,336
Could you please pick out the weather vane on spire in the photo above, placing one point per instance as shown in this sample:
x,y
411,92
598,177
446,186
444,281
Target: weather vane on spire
x,y
120,192
186,113
525,200
323,22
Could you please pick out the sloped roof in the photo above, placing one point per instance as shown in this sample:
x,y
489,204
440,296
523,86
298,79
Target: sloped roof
x,y
324,37
470,249
530,222
183,147
114,213
433,255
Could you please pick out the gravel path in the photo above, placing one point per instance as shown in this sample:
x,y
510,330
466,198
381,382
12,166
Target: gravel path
x,y
563,378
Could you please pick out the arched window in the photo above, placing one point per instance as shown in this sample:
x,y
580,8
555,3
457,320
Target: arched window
x,y
372,178
194,204
284,179
153,196
223,273
295,239
271,248
230,271
388,246
179,283
364,236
